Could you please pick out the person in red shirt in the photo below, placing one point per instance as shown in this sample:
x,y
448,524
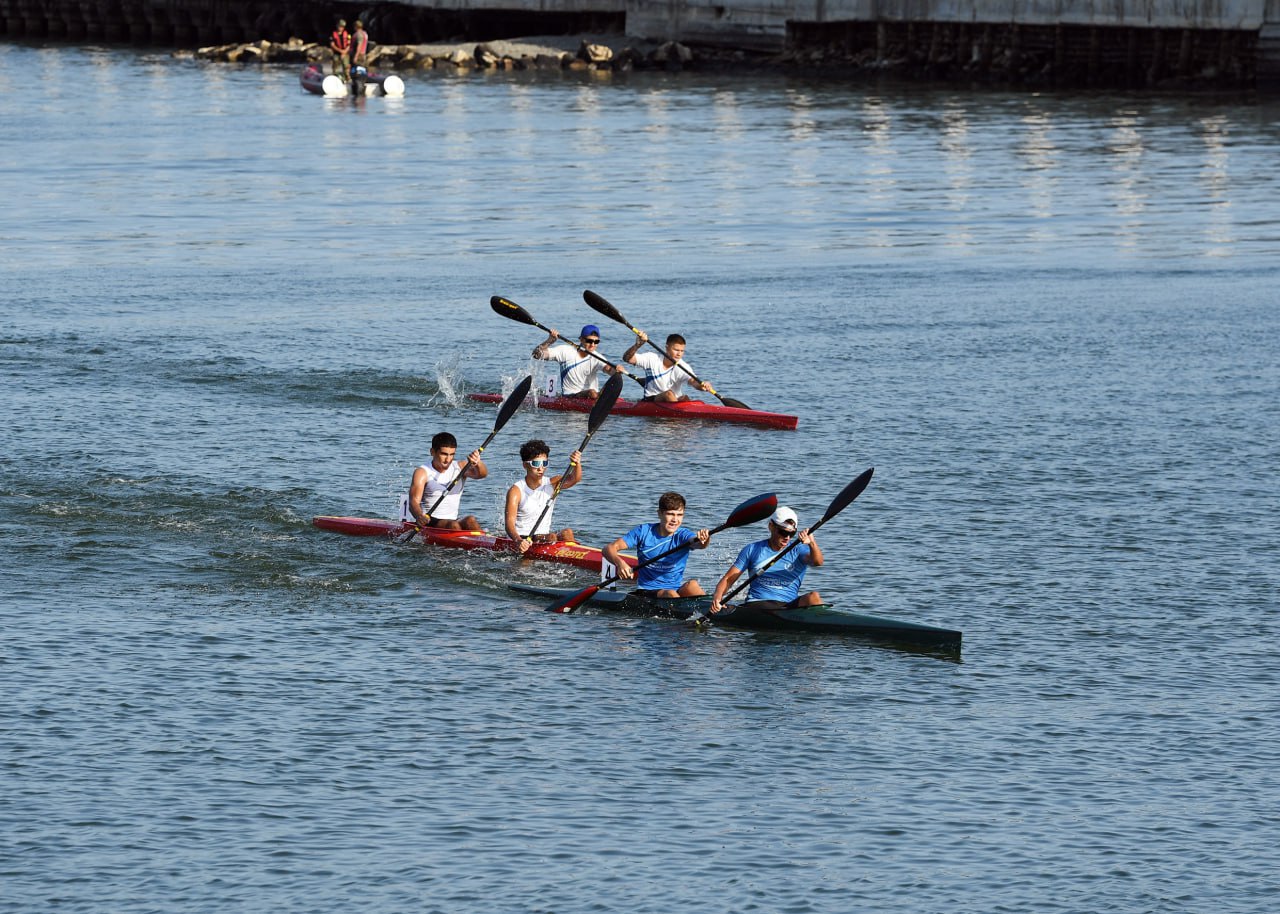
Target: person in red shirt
x,y
340,45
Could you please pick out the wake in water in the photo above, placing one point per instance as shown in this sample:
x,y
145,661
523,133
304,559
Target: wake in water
x,y
448,383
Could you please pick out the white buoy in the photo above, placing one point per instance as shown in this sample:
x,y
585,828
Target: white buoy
x,y
333,87
393,86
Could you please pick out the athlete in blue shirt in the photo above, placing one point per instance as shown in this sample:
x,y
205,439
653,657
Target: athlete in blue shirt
x,y
664,578
783,579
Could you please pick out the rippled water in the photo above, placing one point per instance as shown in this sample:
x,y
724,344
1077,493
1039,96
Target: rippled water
x,y
1047,321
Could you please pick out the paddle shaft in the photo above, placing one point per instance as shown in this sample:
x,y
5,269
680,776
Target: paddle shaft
x,y
525,317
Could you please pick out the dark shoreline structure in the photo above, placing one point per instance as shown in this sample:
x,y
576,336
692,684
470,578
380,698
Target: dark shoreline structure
x,y
1062,55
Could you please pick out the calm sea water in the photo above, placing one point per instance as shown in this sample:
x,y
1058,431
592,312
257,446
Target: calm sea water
x,y
1048,321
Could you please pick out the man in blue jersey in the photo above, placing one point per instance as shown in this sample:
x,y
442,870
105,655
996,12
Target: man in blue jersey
x,y
579,370
663,578
783,579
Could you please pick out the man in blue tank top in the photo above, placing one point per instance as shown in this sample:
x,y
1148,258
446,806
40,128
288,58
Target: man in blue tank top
x,y
663,578
783,579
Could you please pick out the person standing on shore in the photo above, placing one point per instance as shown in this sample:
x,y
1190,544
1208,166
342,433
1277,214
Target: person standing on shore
x,y
340,47
359,46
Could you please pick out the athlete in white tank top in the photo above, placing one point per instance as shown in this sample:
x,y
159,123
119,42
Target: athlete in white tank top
x,y
437,486
432,479
527,497
532,501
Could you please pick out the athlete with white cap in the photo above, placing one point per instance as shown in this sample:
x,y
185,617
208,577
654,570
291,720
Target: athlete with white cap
x,y
783,579
579,370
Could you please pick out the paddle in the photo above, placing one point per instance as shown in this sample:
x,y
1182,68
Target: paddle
x,y
598,303
505,412
841,501
507,308
599,412
749,512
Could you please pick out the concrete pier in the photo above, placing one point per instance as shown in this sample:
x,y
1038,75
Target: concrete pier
x,y
1064,42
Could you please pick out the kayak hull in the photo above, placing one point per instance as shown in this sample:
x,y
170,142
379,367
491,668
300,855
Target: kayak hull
x,y
689,409
587,557
763,615
319,81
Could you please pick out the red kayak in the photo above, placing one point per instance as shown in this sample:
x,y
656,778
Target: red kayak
x,y
586,557
689,409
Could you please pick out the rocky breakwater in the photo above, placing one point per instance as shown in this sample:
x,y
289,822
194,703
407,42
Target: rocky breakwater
x,y
534,54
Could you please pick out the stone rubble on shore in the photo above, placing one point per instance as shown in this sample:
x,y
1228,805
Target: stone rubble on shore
x,y
533,54
959,59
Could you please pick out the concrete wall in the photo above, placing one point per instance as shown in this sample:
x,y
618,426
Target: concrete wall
x,y
763,23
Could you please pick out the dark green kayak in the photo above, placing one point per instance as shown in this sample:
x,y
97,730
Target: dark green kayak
x,y
764,615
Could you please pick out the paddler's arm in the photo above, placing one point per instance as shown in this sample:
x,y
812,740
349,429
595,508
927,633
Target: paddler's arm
x,y
815,554
701,539
625,571
630,355
574,476
509,519
417,486
730,577
476,468
540,351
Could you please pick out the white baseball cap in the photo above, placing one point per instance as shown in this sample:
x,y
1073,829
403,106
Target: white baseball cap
x,y
785,517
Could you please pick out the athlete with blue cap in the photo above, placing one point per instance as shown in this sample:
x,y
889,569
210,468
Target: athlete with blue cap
x,y
580,370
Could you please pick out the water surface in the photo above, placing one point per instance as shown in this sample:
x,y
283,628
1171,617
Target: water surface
x,y
1046,320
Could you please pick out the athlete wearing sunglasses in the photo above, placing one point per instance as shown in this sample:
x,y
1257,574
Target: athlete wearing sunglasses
x,y
580,369
782,581
527,498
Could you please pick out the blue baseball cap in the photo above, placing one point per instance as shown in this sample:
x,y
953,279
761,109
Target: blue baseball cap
x,y
589,330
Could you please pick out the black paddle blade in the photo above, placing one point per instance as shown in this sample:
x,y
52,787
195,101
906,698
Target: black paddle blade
x,y
604,403
753,510
512,403
507,308
598,303
851,491
736,404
